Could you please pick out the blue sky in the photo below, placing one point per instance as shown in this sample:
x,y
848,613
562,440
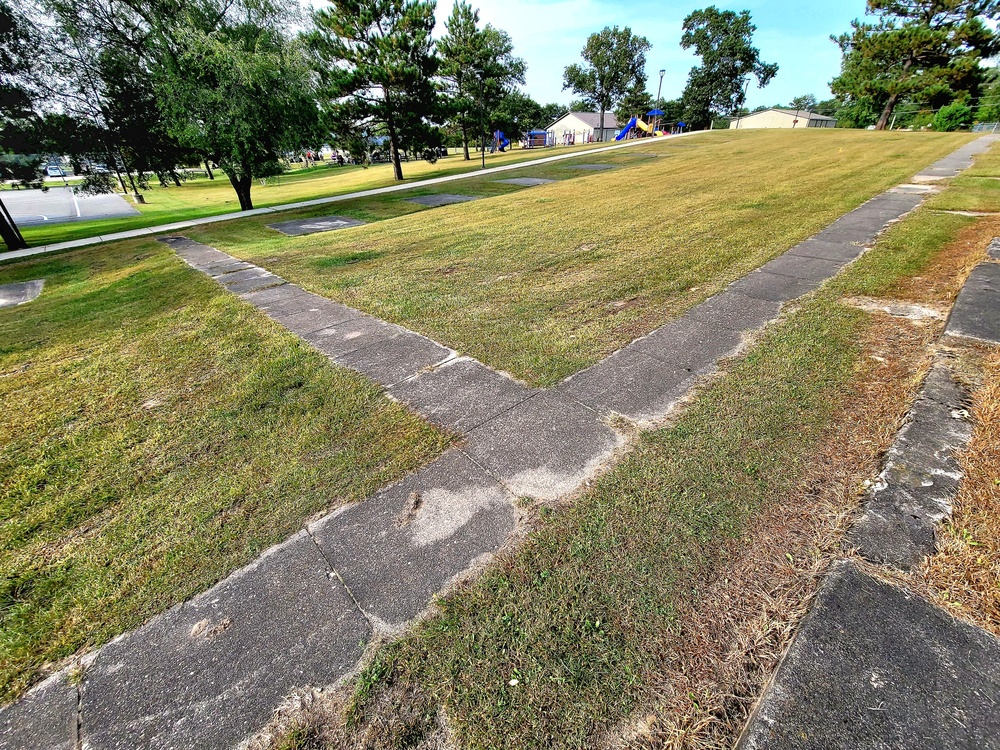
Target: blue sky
x,y
550,34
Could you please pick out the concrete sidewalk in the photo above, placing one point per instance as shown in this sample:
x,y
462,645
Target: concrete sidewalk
x,y
210,671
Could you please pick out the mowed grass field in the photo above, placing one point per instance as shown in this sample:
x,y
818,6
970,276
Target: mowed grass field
x,y
651,611
201,197
156,434
544,281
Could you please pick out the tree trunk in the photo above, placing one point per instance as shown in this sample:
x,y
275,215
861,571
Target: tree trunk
x,y
9,232
242,186
887,112
208,168
465,140
600,135
397,167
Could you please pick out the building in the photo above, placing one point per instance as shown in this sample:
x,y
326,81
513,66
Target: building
x,y
783,118
582,127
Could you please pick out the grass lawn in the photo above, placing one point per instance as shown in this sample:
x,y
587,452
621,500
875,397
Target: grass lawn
x,y
600,611
544,281
202,197
156,434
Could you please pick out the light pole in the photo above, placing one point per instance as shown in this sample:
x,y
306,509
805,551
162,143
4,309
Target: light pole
x,y
659,89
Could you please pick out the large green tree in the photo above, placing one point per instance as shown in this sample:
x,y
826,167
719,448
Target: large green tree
x,y
614,64
377,65
243,96
19,46
480,70
927,52
724,42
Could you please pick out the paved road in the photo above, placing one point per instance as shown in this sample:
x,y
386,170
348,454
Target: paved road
x,y
59,205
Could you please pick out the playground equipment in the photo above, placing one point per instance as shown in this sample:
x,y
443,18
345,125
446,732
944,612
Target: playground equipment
x,y
536,139
500,141
636,124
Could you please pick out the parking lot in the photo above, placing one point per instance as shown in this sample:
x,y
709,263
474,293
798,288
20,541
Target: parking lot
x,y
59,204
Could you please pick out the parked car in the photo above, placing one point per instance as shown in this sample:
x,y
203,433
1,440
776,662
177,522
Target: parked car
x,y
53,171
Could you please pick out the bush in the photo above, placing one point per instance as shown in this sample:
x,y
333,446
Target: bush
x,y
953,117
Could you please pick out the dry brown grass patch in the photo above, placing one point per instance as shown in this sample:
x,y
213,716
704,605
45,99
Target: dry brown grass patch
x,y
731,642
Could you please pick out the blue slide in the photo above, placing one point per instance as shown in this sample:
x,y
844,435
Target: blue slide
x,y
501,140
626,130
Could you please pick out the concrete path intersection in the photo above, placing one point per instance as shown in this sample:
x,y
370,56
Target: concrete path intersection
x,y
210,671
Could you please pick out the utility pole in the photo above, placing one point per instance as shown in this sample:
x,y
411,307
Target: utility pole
x,y
739,112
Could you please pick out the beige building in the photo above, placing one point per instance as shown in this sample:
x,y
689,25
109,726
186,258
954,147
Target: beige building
x,y
783,118
582,127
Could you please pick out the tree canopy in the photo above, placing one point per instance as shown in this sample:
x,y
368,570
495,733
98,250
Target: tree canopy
x,y
377,67
724,42
922,51
614,65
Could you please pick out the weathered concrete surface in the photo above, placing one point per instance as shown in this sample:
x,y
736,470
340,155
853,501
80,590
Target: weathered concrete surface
x,y
761,284
20,292
461,394
993,251
921,476
956,161
544,447
211,671
397,358
299,227
630,383
839,252
526,181
44,718
441,199
397,549
876,667
976,313
735,311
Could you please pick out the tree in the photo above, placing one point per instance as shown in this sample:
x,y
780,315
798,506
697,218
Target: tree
x,y
243,96
636,101
552,112
517,114
724,41
19,45
377,65
989,103
806,102
615,62
956,116
923,51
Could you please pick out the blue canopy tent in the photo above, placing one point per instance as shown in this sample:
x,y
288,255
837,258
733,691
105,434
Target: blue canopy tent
x,y
655,124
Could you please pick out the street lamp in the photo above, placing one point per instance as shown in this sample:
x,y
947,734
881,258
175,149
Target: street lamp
x,y
659,89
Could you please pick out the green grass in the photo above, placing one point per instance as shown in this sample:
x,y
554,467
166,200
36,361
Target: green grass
x,y
586,614
976,189
545,281
158,433
200,197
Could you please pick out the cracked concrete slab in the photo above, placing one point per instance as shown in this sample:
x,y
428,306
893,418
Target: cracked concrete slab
x,y
803,267
690,343
244,274
461,394
396,358
730,309
976,313
251,284
321,313
357,333
221,269
921,477
630,383
876,667
441,199
44,719
235,651
299,227
20,293
526,181
773,287
838,252
286,299
544,447
397,549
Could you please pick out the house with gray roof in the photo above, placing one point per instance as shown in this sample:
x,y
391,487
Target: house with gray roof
x,y
583,127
